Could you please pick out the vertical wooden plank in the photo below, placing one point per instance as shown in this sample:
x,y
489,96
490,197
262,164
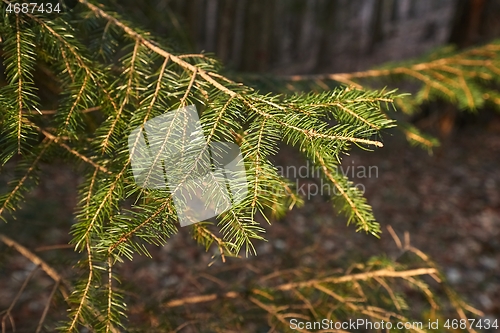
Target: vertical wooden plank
x,y
225,31
394,17
239,34
250,60
377,26
329,25
307,44
412,9
490,24
282,34
263,53
211,25
404,8
368,17
196,21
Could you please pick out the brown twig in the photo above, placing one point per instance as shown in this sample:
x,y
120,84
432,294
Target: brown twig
x,y
61,284
58,139
359,277
435,64
200,299
51,112
53,247
64,287
37,261
14,302
310,283
153,47
47,307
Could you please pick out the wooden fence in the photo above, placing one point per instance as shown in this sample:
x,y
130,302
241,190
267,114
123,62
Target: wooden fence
x,y
307,36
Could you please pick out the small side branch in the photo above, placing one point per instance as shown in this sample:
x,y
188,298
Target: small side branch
x,y
33,258
8,312
384,273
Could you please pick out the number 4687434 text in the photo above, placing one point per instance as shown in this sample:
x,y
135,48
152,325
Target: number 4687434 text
x,y
33,8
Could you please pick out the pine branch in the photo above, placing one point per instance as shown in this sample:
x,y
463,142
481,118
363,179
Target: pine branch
x,y
9,202
20,92
450,74
462,78
116,118
83,299
354,203
311,283
64,286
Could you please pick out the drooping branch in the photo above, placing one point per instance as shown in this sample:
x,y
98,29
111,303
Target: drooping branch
x,y
305,284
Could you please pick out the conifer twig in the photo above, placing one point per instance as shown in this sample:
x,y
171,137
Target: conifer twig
x,y
8,312
35,260
459,59
64,286
153,47
383,273
47,307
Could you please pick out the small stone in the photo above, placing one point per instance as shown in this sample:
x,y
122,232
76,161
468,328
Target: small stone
x,y
454,276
